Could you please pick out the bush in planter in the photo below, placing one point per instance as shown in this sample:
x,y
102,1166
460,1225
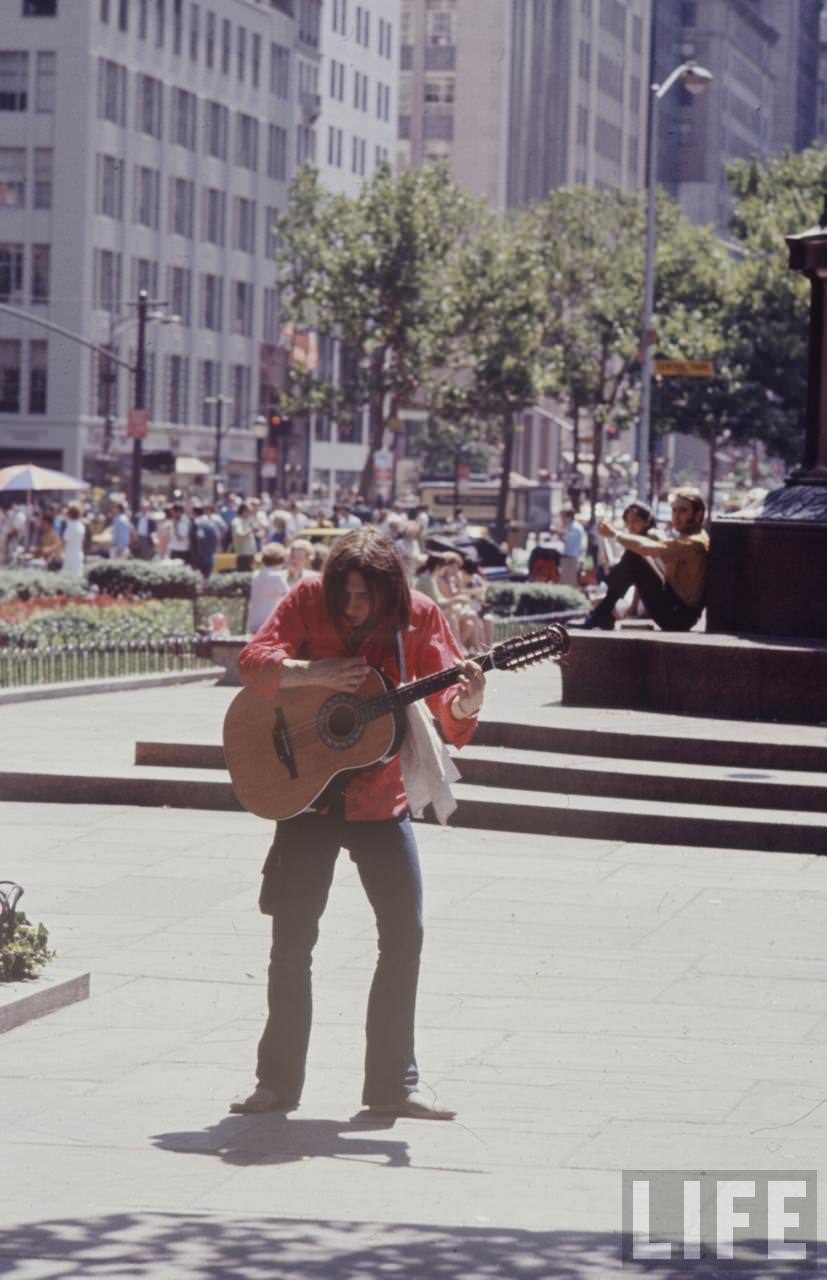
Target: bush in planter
x,y
26,584
24,947
80,624
522,599
164,581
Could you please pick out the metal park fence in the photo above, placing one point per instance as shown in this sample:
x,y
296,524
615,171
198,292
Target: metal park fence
x,y
29,666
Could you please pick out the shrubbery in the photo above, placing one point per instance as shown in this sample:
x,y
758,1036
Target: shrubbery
x,y
162,580
523,599
26,584
83,624
228,584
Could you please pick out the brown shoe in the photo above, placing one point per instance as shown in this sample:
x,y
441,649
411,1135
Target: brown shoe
x,y
415,1106
261,1099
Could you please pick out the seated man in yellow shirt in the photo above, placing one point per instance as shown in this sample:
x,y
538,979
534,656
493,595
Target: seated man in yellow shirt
x,y
675,598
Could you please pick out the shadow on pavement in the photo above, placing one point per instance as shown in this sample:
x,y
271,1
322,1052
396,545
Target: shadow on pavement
x,y
275,1138
206,1247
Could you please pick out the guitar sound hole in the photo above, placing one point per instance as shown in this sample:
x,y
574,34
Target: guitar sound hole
x,y
341,722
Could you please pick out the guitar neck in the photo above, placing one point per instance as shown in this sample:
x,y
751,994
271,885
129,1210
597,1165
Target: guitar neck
x,y
391,701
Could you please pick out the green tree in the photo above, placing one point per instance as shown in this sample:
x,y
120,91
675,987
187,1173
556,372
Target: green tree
x,y
499,354
371,273
782,197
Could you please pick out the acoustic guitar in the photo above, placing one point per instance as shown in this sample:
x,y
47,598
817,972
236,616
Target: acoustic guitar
x,y
284,753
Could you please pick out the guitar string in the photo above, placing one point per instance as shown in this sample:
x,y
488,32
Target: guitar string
x,y
308,729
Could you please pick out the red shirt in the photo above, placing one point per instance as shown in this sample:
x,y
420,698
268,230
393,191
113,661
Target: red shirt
x,y
301,627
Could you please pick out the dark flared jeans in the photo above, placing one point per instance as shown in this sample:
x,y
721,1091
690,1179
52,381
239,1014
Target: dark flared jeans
x,y
664,607
297,878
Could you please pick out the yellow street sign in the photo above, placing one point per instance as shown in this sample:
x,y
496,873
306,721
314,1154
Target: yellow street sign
x,y
684,368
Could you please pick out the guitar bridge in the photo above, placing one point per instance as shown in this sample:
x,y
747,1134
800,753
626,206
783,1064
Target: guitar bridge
x,y
282,744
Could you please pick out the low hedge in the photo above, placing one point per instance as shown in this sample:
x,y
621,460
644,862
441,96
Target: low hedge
x,y
522,599
25,584
163,580
88,624
228,584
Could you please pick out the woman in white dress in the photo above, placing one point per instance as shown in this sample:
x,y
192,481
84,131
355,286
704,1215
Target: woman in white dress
x,y
268,585
74,536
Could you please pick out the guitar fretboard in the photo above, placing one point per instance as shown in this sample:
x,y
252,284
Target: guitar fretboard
x,y
394,699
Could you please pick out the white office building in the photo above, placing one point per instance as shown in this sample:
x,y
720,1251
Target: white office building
x,y
144,144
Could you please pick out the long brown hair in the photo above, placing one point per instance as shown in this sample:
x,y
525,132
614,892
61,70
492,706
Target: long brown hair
x,y
372,553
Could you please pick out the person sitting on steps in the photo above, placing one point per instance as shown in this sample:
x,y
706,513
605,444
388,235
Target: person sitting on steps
x,y
674,600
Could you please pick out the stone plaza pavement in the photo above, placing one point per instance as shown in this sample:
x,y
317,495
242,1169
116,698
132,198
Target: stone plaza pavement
x,y
588,1006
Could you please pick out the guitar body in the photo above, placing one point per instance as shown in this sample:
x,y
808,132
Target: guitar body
x,y
282,754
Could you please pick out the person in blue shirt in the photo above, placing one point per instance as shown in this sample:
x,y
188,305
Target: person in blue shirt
x,y
575,544
121,533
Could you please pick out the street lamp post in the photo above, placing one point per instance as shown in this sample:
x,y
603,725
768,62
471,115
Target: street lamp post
x,y
140,399
695,79
219,401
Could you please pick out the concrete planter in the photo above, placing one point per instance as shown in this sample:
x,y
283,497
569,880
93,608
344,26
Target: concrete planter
x,y
55,989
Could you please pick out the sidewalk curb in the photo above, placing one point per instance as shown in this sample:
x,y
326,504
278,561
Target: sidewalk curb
x,y
22,1002
114,684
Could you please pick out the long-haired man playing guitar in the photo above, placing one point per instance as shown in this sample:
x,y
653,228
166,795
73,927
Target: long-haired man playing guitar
x,y
327,632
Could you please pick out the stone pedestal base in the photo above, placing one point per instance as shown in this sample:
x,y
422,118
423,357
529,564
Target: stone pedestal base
x,y
768,571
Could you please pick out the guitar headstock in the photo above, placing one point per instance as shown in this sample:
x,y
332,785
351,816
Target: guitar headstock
x,y
552,641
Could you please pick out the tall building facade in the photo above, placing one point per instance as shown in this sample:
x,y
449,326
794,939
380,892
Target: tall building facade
x,y
763,55
146,145
521,96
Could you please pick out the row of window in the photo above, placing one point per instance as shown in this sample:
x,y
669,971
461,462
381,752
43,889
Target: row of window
x,y
360,90
185,29
15,89
13,285
109,295
358,151
12,375
15,178
175,391
340,22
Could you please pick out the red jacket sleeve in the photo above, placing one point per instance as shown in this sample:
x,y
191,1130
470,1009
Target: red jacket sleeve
x,y
436,649
282,636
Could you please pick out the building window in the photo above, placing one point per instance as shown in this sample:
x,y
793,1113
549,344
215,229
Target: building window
x,y
246,141
108,186
177,388
334,146
310,16
108,280
14,79
210,388
45,81
280,71
276,152
103,11
305,144
149,106
11,273
160,20
213,216
271,234
212,300
217,126
613,17
195,31
123,15
184,106
39,8
147,197
10,356
383,101
209,46
241,54
360,91
241,319
181,206
362,26
358,154
584,64
339,22
385,38
582,126
270,316
177,26
43,166
244,225
111,91
143,19
144,277
381,155
38,375
337,80
179,289
440,22
226,45
241,396
12,177
256,60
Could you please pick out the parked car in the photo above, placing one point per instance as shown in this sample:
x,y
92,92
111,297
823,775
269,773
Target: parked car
x,y
490,560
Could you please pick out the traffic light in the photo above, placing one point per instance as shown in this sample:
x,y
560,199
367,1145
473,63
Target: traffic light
x,y
279,424
162,460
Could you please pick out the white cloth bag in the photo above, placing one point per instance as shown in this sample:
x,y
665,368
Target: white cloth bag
x,y
428,769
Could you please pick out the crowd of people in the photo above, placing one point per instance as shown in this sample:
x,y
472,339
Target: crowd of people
x,y
632,564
